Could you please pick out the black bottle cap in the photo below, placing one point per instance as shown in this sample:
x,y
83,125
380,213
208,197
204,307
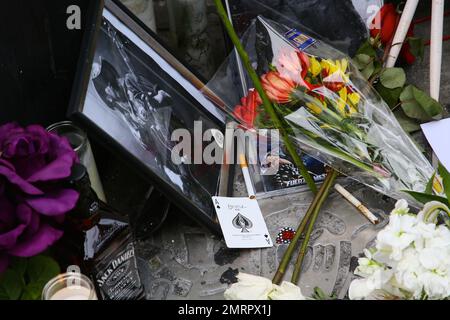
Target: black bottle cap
x,y
78,172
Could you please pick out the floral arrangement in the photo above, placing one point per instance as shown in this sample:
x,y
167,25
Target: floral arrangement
x,y
33,200
332,113
411,258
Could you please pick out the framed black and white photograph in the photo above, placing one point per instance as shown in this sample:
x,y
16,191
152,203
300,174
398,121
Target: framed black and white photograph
x,y
131,93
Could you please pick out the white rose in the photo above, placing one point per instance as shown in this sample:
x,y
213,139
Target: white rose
x,y
359,289
286,291
249,287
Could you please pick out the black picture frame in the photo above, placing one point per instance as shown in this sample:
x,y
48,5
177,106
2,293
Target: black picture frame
x,y
82,110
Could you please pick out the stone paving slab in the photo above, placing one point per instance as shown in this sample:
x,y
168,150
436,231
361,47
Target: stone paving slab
x,y
186,261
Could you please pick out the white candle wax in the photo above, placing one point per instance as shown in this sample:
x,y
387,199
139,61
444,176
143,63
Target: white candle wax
x,y
88,161
402,30
437,23
72,293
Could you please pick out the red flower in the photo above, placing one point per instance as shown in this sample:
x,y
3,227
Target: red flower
x,y
246,111
277,88
385,23
405,52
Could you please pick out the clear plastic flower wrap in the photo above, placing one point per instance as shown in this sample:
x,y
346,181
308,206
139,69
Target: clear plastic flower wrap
x,y
330,111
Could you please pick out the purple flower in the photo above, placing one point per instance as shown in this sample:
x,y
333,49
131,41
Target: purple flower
x,y
32,202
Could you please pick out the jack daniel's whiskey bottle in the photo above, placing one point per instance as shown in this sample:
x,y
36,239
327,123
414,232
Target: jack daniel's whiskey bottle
x,y
99,241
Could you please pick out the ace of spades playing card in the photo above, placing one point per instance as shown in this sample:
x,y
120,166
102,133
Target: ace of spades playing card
x,y
242,223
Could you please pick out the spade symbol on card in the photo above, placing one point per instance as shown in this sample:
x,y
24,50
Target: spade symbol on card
x,y
267,238
217,204
242,222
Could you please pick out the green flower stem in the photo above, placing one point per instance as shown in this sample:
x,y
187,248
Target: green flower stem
x,y
314,206
266,102
322,195
436,208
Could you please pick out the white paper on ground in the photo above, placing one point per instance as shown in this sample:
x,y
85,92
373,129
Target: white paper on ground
x,y
438,135
242,223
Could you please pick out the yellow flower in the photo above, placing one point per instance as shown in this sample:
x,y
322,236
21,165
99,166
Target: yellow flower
x,y
316,106
327,65
342,100
354,98
342,65
315,67
437,185
338,66
345,104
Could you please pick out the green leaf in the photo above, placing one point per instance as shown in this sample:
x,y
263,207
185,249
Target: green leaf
x,y
362,60
411,106
424,198
19,265
416,46
40,270
390,96
33,291
445,175
429,188
378,66
367,49
431,106
368,70
393,78
319,294
408,124
11,285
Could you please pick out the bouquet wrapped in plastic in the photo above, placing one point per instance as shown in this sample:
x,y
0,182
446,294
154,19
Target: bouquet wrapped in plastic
x,y
330,111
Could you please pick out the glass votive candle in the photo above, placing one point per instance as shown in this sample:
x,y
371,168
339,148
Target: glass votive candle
x,y
80,143
69,286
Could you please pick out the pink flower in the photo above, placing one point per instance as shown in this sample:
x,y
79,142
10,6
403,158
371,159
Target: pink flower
x,y
293,65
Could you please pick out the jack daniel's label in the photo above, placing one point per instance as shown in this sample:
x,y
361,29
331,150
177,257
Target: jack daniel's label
x,y
117,276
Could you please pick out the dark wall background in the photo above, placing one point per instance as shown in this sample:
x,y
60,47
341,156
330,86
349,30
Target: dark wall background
x,y
38,59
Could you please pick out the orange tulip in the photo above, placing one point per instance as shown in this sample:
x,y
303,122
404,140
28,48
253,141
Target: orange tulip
x,y
277,88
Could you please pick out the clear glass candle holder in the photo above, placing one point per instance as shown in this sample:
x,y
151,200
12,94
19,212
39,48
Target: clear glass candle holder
x,y
80,143
69,286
